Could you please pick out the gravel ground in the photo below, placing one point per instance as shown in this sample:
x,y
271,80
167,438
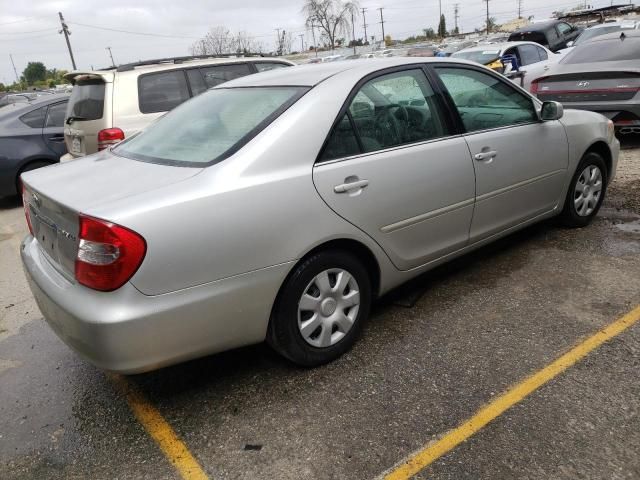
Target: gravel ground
x,y
624,192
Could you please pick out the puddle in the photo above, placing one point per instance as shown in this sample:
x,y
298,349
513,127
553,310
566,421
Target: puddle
x,y
630,227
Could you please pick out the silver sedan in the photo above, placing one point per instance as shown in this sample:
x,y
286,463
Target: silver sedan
x,y
279,206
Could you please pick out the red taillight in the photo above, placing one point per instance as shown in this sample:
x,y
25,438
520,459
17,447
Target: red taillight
x,y
108,254
25,204
108,137
535,85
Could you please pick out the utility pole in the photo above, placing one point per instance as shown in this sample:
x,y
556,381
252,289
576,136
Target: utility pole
x,y
456,15
519,8
313,35
66,32
301,42
353,32
384,41
440,4
111,55
364,23
14,70
487,1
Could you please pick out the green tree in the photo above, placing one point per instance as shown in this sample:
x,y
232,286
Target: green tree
x,y
35,72
442,27
2,87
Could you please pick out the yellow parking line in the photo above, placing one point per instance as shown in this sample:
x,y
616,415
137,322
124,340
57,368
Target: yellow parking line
x,y
431,452
157,427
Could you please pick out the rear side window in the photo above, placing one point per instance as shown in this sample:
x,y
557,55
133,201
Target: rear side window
x,y
161,92
210,127
34,119
542,53
564,28
214,76
265,66
55,115
87,101
342,142
604,51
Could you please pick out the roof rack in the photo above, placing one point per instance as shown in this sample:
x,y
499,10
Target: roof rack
x,y
176,60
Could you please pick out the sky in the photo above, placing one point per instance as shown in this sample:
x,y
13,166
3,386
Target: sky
x,y
165,28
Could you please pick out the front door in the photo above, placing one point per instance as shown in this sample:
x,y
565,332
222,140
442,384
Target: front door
x,y
391,168
520,161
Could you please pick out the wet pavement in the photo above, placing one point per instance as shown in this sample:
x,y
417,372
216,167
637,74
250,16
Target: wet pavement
x,y
432,354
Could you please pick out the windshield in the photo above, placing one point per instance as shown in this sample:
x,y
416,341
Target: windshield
x,y
87,101
613,50
211,126
590,33
480,56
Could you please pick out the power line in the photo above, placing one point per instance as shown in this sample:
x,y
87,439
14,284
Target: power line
x,y
148,34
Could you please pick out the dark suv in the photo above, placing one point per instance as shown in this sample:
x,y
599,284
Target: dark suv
x,y
553,34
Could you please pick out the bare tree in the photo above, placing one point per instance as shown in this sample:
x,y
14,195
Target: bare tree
x,y
220,40
332,17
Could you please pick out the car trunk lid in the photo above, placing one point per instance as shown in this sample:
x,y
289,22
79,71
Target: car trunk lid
x,y
581,87
55,197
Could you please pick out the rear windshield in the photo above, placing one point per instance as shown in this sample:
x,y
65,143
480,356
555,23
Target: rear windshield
x,y
480,56
87,101
210,127
604,51
590,33
537,37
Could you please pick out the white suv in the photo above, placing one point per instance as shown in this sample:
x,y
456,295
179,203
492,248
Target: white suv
x,y
109,105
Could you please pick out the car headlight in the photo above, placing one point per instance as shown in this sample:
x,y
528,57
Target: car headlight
x,y
611,131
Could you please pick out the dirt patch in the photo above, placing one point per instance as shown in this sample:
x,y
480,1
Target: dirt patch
x,y
624,191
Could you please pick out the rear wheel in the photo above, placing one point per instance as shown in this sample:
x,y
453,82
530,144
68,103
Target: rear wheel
x,y
320,309
27,168
586,191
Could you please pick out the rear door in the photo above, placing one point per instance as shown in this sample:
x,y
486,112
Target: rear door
x,y
520,162
53,130
392,168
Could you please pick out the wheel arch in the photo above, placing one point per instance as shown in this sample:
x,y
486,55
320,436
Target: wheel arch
x,y
601,148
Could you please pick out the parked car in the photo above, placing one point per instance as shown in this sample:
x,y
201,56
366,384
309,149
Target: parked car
x,y
278,206
600,29
553,34
109,105
532,57
31,136
602,75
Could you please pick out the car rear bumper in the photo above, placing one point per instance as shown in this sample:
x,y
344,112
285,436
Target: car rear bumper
x,y
129,332
622,114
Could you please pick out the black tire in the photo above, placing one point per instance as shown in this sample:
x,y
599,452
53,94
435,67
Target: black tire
x,y
570,216
284,334
27,168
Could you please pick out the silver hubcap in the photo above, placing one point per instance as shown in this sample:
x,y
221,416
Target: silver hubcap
x,y
587,191
328,307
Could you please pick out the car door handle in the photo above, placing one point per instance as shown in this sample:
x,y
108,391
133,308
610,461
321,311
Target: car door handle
x,y
485,155
347,187
56,138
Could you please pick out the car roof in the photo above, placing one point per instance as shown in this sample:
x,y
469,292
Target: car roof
x,y
538,26
496,46
310,75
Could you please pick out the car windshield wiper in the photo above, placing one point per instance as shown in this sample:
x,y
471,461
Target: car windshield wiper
x,y
73,118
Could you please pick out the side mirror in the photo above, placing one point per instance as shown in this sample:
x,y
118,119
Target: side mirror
x,y
551,111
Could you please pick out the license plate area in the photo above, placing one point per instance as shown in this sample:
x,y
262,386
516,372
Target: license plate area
x,y
47,235
76,145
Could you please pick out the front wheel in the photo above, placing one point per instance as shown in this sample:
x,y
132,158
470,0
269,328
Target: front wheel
x,y
586,191
320,309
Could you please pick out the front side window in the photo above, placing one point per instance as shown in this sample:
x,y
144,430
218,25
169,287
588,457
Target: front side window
x,y
210,127
35,118
396,109
266,66
161,92
564,28
218,74
484,101
55,115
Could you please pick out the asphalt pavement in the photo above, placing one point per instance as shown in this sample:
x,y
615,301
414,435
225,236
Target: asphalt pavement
x,y
433,353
